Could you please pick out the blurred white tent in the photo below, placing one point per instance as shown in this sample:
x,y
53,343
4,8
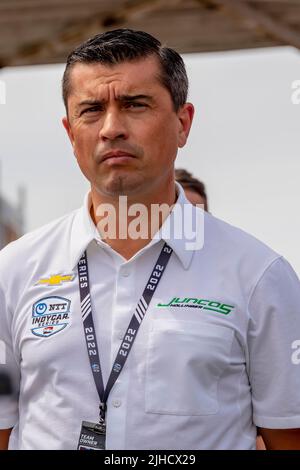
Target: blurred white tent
x,y
44,31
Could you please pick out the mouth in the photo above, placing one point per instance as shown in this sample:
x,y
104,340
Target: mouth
x,y
117,156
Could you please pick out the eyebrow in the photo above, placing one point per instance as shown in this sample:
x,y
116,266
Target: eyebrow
x,y
134,97
121,98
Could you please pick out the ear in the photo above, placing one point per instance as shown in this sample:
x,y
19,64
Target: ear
x,y
67,126
185,116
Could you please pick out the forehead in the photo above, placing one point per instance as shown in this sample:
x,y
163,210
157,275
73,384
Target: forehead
x,y
126,77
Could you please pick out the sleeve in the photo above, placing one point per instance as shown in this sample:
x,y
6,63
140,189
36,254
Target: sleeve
x,y
9,370
274,348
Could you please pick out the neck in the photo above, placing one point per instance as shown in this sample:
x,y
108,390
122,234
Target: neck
x,y
128,223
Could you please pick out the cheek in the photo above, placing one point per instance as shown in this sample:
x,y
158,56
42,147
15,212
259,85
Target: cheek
x,y
167,142
84,142
164,137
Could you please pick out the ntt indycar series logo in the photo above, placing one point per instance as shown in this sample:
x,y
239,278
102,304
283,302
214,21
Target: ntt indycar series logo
x,y
50,315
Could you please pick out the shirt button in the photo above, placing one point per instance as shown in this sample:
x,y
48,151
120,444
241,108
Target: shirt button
x,y
125,273
116,403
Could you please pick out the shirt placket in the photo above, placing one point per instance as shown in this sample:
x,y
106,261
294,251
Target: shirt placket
x,y
121,316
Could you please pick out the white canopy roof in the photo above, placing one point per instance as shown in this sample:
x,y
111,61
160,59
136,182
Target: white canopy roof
x,y
45,31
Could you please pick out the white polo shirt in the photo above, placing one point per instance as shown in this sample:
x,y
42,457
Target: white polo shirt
x,y
216,355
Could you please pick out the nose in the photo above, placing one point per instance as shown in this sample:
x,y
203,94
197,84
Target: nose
x,y
113,126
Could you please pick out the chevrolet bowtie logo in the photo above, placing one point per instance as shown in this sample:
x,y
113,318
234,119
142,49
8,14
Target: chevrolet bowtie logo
x,y
56,280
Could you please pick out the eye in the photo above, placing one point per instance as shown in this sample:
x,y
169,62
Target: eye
x,y
93,109
134,105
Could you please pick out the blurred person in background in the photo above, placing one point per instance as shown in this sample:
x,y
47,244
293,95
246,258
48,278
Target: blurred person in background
x,y
194,189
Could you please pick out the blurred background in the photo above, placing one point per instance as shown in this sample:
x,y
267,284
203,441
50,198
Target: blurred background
x,y
243,62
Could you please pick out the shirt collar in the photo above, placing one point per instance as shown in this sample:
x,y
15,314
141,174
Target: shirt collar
x,y
172,231
83,232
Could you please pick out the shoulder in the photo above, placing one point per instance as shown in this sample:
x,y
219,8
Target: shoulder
x,y
241,257
17,254
235,241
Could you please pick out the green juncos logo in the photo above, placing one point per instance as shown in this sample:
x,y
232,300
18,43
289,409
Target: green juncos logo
x,y
204,304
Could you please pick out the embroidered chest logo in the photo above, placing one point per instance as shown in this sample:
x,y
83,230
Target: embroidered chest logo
x,y
50,315
55,280
204,304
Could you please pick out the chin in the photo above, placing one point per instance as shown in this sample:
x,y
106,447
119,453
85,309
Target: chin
x,y
122,186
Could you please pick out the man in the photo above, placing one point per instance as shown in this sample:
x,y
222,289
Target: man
x,y
183,348
194,189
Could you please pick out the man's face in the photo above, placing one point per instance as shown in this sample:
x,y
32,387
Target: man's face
x,y
123,128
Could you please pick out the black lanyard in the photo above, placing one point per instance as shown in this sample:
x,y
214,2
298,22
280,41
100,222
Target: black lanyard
x,y
131,332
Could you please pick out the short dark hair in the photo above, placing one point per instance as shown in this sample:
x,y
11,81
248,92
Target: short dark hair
x,y
121,45
188,181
